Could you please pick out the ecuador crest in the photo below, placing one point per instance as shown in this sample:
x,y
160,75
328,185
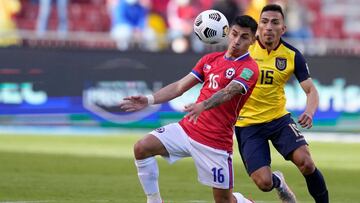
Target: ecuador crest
x,y
280,63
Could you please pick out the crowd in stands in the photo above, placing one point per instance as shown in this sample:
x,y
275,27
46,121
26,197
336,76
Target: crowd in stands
x,y
158,24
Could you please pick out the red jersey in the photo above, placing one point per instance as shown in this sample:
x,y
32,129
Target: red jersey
x,y
214,127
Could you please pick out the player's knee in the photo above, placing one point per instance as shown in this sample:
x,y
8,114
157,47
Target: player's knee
x,y
302,159
140,151
307,166
263,183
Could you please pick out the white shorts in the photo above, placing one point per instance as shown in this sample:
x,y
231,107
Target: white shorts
x,y
214,166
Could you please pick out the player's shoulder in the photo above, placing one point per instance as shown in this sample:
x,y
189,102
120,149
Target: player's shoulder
x,y
290,47
254,45
250,62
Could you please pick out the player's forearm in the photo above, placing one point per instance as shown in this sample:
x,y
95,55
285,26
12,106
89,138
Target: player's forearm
x,y
223,95
312,101
216,99
175,89
167,93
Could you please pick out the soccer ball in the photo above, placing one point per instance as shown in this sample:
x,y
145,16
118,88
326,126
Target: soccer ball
x,y
211,26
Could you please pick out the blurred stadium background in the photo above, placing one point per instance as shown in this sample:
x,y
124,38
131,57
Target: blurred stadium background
x,y
66,64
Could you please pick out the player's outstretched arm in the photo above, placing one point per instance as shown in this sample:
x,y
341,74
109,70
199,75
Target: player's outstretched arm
x,y
134,103
312,102
175,89
223,95
167,93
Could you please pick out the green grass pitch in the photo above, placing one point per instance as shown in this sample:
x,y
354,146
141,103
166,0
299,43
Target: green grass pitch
x,y
100,169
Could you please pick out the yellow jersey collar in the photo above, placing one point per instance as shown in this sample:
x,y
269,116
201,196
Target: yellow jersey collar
x,y
263,47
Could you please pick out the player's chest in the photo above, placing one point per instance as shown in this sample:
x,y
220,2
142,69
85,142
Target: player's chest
x,y
274,67
218,76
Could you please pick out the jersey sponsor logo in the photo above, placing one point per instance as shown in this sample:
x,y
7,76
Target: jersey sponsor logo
x,y
206,68
246,74
281,63
160,130
230,72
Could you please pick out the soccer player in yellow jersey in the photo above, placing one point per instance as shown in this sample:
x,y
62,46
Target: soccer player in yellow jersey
x,y
264,116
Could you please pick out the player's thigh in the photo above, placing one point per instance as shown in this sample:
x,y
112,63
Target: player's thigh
x,y
175,141
253,147
214,166
288,138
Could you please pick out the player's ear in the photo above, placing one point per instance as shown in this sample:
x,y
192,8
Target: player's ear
x,y
283,30
253,39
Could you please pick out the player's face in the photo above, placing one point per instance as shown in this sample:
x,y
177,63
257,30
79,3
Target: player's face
x,y
240,39
271,27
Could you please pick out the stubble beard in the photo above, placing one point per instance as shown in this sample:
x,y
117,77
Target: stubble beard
x,y
269,44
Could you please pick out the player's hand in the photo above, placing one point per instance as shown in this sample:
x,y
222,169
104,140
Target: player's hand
x,y
194,111
133,103
305,120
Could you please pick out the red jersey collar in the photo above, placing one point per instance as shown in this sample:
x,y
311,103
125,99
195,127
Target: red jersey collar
x,y
238,58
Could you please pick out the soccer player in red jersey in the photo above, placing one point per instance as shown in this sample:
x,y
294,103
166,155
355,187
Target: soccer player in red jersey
x,y
206,132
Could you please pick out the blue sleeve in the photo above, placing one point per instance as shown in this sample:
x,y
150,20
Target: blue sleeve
x,y
198,70
301,68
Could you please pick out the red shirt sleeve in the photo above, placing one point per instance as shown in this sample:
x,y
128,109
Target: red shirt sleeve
x,y
198,70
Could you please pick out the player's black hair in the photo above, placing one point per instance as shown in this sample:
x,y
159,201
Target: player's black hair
x,y
273,7
245,21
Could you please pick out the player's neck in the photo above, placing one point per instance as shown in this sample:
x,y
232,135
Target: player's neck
x,y
270,46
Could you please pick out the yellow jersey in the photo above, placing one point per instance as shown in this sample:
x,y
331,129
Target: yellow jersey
x,y
267,101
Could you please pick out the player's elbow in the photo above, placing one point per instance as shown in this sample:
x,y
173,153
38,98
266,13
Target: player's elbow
x,y
228,95
310,89
313,96
315,93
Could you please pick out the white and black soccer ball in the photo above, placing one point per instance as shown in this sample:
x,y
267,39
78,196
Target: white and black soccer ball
x,y
211,26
